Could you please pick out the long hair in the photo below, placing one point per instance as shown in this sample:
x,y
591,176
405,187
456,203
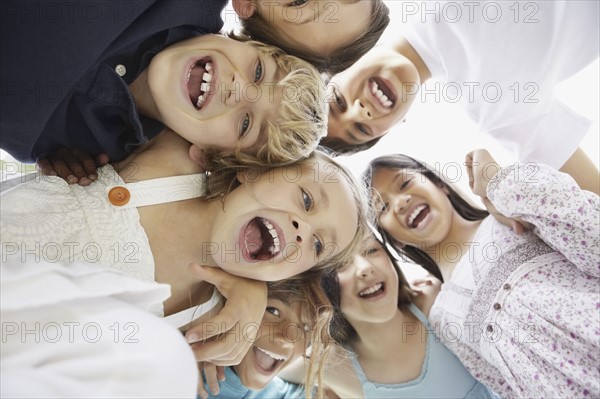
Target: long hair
x,y
258,27
316,314
341,329
459,203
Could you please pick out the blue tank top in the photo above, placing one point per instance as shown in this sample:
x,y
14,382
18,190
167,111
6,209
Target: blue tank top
x,y
442,375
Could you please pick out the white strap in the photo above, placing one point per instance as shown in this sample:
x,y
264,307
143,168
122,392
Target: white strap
x,y
162,190
186,316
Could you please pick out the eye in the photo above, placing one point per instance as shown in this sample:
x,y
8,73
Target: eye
x,y
307,200
339,100
318,246
362,129
405,184
245,126
258,72
297,3
273,310
371,251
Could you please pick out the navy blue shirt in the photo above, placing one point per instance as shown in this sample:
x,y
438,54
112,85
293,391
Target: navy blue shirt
x,y
60,85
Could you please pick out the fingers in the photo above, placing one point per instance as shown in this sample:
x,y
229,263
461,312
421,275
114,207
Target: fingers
x,y
72,165
202,392
102,159
227,351
211,377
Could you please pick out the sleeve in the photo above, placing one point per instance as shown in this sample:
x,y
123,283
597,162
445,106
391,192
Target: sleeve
x,y
45,53
550,138
565,217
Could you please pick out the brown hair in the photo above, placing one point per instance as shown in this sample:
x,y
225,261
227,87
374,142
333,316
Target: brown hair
x,y
259,28
344,148
342,330
459,203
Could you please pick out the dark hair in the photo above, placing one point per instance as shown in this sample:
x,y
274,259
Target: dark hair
x,y
341,329
342,147
259,28
461,205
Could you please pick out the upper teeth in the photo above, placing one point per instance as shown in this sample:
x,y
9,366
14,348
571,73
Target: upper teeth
x,y
415,213
371,290
383,99
205,85
275,248
271,354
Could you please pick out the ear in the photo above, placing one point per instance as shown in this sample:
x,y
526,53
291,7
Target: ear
x,y
244,8
197,155
242,176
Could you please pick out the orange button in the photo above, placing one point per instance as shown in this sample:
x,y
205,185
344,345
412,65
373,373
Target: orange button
x,y
119,196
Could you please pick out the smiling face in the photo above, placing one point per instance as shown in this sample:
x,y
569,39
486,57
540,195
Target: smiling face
x,y
369,287
284,221
412,209
215,91
281,340
316,26
371,96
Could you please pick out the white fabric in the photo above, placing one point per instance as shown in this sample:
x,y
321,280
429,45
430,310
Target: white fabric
x,y
502,59
49,220
163,190
74,331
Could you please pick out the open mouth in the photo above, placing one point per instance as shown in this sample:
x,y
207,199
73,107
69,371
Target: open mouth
x,y
261,239
372,291
417,216
382,91
199,78
267,361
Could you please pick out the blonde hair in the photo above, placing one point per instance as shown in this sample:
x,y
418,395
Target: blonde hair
x,y
258,27
316,313
302,118
225,180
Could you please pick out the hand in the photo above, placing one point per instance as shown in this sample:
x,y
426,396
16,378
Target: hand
x,y
482,168
240,317
212,375
73,165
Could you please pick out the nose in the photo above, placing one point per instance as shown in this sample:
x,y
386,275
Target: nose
x,y
363,267
362,110
301,229
232,89
401,202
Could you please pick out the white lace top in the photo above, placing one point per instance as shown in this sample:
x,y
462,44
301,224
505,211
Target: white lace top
x,y
49,220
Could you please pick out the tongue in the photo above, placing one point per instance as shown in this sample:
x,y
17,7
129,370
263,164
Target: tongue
x,y
420,216
194,83
265,361
253,237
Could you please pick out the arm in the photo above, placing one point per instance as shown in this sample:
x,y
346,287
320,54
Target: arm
x,y
564,216
583,170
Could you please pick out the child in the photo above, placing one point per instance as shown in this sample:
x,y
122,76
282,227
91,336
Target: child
x,y
236,98
296,318
519,311
388,348
148,221
504,82
330,34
